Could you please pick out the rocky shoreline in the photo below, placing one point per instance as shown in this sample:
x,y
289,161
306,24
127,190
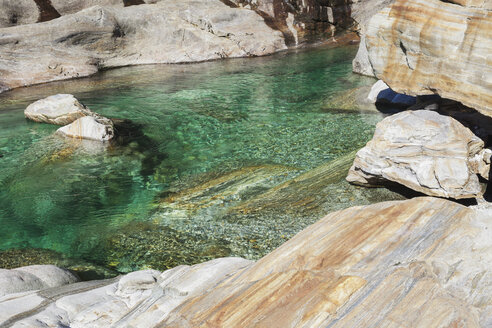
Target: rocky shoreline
x,y
424,261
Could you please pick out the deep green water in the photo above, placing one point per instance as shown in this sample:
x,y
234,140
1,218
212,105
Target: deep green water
x,y
190,124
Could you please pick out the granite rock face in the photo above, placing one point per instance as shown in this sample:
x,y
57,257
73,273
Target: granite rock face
x,y
60,109
90,128
434,47
424,151
20,12
426,260
304,21
80,44
33,277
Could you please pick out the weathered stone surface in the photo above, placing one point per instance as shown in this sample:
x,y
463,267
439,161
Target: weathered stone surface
x,y
19,12
89,127
424,151
33,277
421,47
101,37
304,21
362,12
426,261
58,109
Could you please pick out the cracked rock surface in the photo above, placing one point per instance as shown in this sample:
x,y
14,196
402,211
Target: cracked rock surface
x,y
424,151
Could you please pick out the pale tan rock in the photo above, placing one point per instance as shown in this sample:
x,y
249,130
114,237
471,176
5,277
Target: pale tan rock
x,y
421,47
424,151
60,109
90,128
33,277
102,37
425,261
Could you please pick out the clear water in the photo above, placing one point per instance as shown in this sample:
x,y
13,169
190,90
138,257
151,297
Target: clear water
x,y
132,205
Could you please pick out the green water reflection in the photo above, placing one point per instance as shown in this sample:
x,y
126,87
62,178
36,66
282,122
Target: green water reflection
x,y
130,206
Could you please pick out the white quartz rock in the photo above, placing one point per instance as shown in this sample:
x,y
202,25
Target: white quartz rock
x,y
88,127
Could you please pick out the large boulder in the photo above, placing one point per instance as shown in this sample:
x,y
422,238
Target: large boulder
x,y
421,47
424,151
425,261
362,12
96,38
60,109
90,128
34,277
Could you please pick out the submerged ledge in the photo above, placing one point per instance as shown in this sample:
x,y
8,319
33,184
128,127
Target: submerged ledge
x,y
424,260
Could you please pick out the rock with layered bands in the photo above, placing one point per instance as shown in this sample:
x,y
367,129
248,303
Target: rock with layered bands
x,y
60,109
101,37
425,261
424,151
421,47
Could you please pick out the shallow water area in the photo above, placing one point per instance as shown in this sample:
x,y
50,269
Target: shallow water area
x,y
199,143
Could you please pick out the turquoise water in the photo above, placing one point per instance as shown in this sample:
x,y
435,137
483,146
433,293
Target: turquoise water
x,y
186,125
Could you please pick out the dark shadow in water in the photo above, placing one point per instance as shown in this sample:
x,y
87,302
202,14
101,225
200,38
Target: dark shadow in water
x,y
130,132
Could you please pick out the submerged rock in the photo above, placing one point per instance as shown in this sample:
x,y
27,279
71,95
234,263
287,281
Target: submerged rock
x,y
424,151
357,265
34,277
88,127
60,109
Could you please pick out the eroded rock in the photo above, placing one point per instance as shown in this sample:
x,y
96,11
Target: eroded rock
x,y
422,47
60,109
425,260
424,151
82,43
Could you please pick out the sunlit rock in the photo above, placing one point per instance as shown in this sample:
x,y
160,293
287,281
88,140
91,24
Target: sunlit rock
x,y
60,109
424,151
426,261
422,47
34,277
100,37
89,127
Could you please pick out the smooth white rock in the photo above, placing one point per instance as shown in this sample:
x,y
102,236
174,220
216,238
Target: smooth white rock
x,y
90,128
33,277
60,109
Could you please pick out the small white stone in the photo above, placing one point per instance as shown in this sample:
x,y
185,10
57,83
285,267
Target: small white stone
x,y
89,128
